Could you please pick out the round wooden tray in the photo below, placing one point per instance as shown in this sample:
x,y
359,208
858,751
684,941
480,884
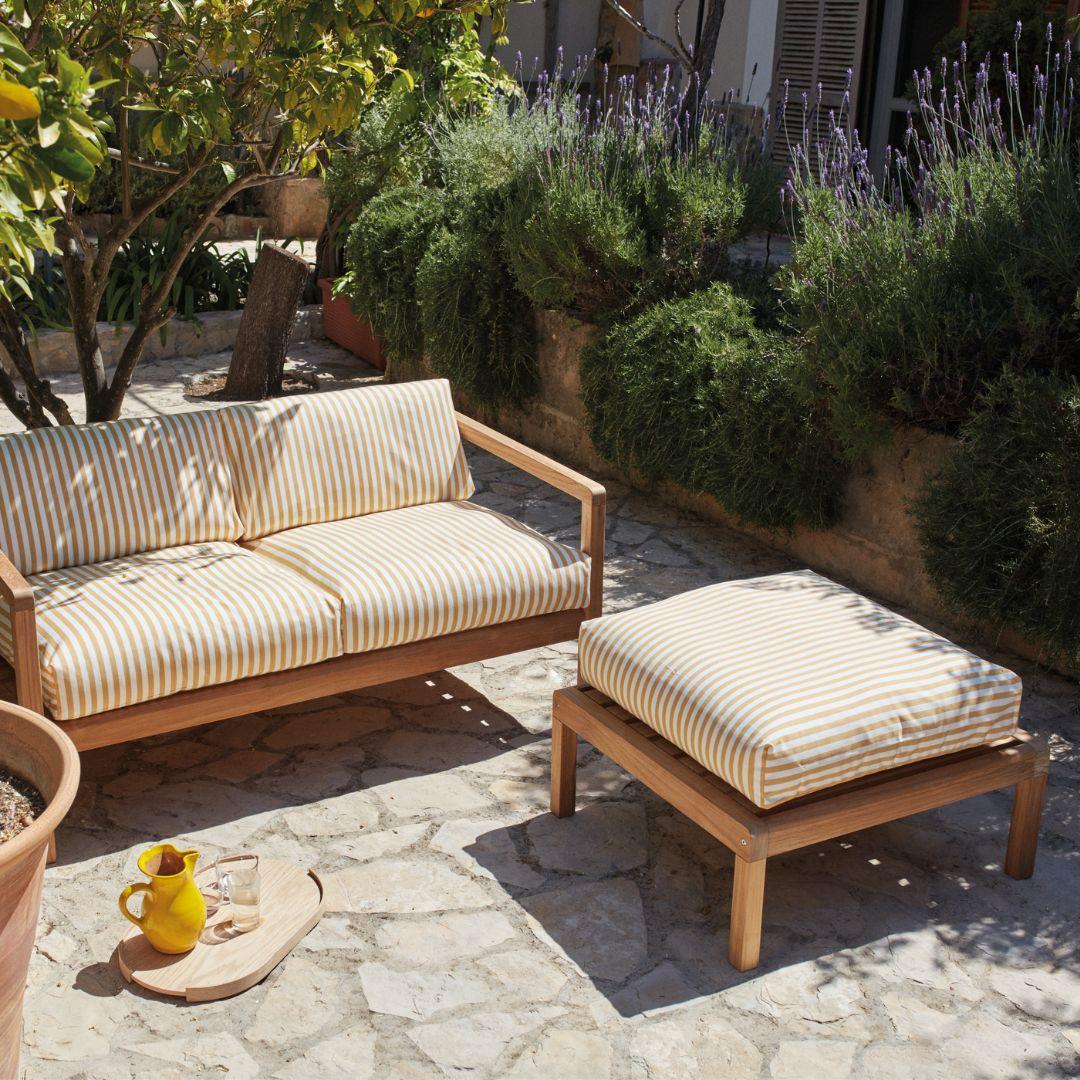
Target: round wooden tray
x,y
223,962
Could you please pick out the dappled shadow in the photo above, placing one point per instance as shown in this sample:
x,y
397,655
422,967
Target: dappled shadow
x,y
910,901
322,757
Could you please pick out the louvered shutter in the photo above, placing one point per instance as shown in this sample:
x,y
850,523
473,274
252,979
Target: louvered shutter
x,y
818,41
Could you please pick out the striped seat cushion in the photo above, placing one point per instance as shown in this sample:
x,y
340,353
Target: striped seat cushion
x,y
146,626
75,495
324,457
422,571
787,684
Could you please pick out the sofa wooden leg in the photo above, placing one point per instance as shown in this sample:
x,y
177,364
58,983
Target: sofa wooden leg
x,y
50,858
563,769
744,942
1028,799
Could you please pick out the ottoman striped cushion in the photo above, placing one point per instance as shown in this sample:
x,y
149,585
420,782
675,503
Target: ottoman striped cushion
x,y
788,684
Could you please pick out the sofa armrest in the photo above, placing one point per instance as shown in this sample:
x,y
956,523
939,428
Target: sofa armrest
x,y
18,594
589,493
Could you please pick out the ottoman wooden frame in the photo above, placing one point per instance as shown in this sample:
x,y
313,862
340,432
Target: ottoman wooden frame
x,y
754,834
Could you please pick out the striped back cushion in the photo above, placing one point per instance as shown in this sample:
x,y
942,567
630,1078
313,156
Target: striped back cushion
x,y
324,457
787,684
76,495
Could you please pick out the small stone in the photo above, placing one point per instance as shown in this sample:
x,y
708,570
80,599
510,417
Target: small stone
x,y
1049,995
303,999
706,1048
177,756
57,946
408,886
486,848
329,728
600,839
907,1062
409,794
430,750
526,974
242,765
660,989
349,813
219,1052
237,733
804,991
375,845
600,926
130,784
450,937
472,1042
418,995
348,1056
797,1059
65,1024
562,1053
918,1022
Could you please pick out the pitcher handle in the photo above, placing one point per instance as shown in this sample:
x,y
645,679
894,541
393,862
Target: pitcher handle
x,y
141,886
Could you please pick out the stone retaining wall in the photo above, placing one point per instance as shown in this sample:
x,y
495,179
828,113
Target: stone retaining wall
x,y
214,331
874,547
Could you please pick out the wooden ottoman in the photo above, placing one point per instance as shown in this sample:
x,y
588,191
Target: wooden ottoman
x,y
782,711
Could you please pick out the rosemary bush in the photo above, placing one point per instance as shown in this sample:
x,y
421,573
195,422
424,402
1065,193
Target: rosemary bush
x,y
1000,524
692,390
383,255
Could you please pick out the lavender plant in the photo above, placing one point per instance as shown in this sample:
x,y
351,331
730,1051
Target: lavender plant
x,y
915,291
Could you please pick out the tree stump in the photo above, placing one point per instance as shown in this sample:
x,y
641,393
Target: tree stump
x,y
258,359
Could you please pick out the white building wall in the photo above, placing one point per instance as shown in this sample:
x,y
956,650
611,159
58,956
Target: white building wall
x,y
747,37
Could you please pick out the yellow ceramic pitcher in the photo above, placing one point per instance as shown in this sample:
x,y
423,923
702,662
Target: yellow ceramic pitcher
x,y
173,909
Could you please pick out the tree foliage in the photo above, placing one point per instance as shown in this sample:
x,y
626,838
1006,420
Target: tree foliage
x,y
253,88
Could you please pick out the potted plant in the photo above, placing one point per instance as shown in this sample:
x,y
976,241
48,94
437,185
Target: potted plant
x,y
345,328
37,751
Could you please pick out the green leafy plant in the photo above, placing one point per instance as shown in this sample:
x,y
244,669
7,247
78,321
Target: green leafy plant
x,y
383,255
478,330
207,280
691,390
1000,523
254,92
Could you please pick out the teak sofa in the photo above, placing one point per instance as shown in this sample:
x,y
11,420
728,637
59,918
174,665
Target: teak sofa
x,y
156,574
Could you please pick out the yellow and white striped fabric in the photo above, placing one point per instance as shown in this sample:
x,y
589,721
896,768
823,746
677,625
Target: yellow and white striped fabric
x,y
788,684
304,460
76,495
423,571
149,625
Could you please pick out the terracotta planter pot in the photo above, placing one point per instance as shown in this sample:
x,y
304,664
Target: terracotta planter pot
x,y
349,331
37,750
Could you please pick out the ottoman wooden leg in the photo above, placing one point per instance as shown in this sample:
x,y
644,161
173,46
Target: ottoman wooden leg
x,y
1028,798
744,942
563,769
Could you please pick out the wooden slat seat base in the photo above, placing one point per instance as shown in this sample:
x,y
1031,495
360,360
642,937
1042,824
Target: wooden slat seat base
x,y
754,834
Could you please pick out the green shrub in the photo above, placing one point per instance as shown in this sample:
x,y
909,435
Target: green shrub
x,y
575,246
691,390
692,212
382,258
478,328
1000,524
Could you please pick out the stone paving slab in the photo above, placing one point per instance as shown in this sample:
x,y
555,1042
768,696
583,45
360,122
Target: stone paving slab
x,y
469,933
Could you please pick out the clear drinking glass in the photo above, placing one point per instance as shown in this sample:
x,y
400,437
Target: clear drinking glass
x,y
239,885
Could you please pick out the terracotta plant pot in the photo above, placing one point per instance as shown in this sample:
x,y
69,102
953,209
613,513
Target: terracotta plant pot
x,y
349,331
37,750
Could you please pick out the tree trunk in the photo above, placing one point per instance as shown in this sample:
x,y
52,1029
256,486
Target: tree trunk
x,y
258,359
39,393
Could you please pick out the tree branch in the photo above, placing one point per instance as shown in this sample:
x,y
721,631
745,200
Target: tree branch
x,y
142,163
39,390
684,58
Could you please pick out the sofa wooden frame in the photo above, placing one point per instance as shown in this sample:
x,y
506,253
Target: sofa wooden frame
x,y
191,708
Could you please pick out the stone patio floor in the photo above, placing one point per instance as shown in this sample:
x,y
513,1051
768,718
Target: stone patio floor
x,y
470,933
